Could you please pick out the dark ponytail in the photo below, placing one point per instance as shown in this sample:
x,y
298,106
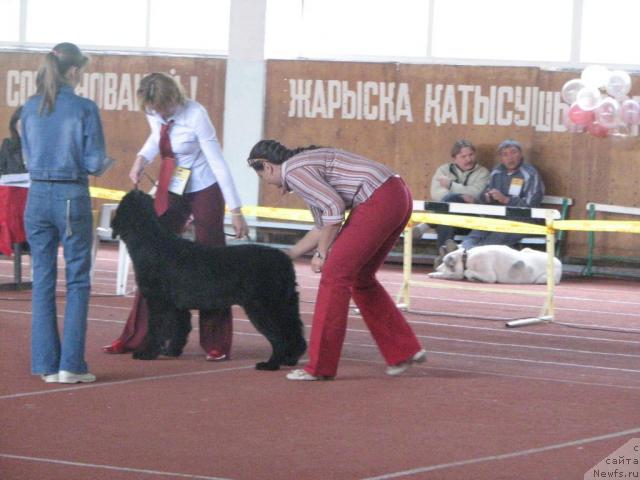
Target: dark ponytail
x,y
51,75
273,152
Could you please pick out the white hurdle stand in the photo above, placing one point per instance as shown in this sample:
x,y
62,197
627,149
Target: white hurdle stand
x,y
103,231
423,208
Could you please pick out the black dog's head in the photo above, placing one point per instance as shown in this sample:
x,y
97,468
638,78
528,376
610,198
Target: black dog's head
x,y
134,212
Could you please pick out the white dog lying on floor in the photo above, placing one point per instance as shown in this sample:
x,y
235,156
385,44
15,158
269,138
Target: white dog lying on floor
x,y
497,264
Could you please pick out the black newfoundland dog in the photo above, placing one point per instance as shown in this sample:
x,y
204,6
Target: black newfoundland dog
x,y
175,275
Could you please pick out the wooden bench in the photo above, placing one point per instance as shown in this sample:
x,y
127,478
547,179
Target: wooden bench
x,y
561,204
592,210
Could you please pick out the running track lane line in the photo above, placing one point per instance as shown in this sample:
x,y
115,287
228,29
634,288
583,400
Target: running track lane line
x,y
400,474
108,467
490,357
498,374
416,322
504,456
123,382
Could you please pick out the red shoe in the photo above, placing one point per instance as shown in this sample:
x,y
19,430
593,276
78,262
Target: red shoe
x,y
216,356
115,347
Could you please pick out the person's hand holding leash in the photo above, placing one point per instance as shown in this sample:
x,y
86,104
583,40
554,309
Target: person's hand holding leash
x,y
137,169
317,261
239,224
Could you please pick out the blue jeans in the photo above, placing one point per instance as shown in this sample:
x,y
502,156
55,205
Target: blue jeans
x,y
59,212
478,238
446,232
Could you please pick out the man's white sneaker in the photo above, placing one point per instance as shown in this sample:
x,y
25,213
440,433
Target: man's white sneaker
x,y
301,374
419,230
450,246
50,377
70,377
402,367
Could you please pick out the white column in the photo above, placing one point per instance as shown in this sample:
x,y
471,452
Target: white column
x,y
244,92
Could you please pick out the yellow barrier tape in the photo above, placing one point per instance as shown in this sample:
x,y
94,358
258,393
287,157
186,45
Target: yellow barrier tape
x,y
598,226
474,223
106,193
480,223
293,214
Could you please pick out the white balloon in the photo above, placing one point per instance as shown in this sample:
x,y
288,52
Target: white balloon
x,y
619,83
589,98
570,90
630,112
595,76
607,113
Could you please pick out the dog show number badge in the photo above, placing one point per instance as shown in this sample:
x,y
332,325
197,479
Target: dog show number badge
x,y
516,186
179,180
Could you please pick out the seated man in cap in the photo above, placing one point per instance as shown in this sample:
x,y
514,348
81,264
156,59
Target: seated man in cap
x,y
514,183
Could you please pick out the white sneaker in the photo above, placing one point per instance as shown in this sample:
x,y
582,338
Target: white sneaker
x,y
402,367
49,377
419,230
301,374
450,246
70,377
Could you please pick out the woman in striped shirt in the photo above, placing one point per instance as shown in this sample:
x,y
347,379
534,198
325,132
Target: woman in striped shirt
x,y
347,255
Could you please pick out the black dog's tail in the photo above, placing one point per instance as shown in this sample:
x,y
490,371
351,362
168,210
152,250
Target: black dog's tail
x,y
297,345
291,302
291,298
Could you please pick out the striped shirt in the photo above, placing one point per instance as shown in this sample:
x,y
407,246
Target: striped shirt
x,y
331,181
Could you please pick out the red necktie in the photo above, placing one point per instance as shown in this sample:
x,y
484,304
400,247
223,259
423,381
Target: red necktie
x,y
167,167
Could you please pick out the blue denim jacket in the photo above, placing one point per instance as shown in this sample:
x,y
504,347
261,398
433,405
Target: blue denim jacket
x,y
66,144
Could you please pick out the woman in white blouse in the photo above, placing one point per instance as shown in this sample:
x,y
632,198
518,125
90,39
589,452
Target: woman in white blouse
x,y
199,185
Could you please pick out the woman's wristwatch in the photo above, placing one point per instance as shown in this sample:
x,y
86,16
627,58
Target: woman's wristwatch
x,y
319,255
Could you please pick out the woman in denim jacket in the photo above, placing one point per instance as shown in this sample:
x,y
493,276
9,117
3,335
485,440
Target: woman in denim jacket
x,y
63,143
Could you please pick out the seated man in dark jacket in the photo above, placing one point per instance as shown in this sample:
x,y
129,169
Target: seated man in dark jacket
x,y
514,183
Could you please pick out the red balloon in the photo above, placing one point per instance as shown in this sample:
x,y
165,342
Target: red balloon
x,y
579,116
569,125
597,130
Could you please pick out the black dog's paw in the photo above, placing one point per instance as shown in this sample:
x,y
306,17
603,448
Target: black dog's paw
x,y
293,355
171,351
270,365
145,355
290,361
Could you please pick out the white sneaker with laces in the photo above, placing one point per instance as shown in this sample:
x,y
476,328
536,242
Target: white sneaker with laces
x,y
402,367
49,377
70,377
301,374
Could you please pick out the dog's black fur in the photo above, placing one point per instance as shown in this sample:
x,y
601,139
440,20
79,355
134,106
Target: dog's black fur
x,y
175,275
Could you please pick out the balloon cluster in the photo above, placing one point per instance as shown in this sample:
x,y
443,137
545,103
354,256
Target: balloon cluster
x,y
600,104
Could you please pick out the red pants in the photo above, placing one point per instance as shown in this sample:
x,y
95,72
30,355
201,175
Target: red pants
x,y
207,208
362,245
